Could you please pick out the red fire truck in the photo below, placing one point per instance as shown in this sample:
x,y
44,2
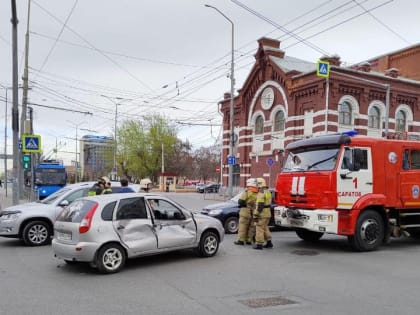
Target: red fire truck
x,y
367,189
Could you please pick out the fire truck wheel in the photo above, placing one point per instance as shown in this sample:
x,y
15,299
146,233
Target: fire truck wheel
x,y
309,236
369,232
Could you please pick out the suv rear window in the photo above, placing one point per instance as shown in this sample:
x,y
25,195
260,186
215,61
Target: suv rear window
x,y
76,211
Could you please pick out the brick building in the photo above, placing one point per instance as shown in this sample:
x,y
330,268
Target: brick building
x,y
284,100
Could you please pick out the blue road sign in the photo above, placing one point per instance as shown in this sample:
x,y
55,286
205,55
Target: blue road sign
x,y
31,143
231,160
270,162
323,69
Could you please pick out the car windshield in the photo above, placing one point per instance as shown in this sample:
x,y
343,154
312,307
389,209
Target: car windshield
x,y
76,211
53,197
236,198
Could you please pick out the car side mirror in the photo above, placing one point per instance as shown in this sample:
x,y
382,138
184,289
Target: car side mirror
x,y
64,203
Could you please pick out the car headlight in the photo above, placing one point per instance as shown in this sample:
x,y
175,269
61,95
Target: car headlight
x,y
10,215
215,212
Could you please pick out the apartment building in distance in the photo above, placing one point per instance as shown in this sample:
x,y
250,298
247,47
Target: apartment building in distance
x,y
96,156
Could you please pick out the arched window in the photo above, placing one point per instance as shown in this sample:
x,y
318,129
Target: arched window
x,y
344,114
374,117
279,121
259,125
400,121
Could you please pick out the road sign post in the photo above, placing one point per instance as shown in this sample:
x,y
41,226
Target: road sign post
x,y
270,163
323,70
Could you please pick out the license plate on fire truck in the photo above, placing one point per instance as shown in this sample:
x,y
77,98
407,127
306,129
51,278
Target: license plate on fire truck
x,y
296,222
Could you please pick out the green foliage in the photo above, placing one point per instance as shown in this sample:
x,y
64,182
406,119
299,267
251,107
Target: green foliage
x,y
140,145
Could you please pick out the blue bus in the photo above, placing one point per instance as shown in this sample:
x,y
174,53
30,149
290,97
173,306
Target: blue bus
x,y
50,176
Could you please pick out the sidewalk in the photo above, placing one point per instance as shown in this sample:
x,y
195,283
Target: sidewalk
x,y
8,201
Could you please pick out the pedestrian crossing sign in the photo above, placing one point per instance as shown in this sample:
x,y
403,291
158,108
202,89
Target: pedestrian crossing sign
x,y
31,143
323,69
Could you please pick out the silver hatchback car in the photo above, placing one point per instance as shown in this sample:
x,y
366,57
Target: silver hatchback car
x,y
106,230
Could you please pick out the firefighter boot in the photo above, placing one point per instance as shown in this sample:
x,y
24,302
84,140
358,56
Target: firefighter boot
x,y
269,244
239,243
258,246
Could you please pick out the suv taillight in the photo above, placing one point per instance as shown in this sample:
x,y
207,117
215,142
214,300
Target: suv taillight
x,y
87,219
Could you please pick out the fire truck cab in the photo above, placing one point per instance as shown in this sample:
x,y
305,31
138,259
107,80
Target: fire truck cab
x,y
364,188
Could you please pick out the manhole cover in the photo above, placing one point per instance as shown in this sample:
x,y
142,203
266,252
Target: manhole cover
x,y
264,302
305,252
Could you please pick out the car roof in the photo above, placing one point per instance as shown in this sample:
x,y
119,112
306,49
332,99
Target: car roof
x,y
116,196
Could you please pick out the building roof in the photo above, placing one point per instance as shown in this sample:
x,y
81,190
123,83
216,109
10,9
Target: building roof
x,y
288,64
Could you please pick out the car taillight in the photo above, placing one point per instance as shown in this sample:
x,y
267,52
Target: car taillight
x,y
87,219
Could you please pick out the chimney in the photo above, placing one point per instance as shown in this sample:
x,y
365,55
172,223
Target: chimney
x,y
334,60
392,72
270,47
365,67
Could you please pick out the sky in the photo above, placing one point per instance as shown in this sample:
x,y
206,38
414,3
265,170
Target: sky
x,y
94,63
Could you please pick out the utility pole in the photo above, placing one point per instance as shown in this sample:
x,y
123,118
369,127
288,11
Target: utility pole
x,y
15,108
24,97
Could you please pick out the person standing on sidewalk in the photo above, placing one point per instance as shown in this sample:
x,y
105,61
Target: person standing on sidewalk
x,y
246,205
262,215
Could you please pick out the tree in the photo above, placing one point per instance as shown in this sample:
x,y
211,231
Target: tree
x,y
207,159
140,145
181,161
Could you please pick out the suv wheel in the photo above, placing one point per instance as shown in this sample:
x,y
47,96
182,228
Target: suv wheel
x,y
37,233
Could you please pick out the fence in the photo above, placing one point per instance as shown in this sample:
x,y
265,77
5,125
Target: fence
x,y
222,194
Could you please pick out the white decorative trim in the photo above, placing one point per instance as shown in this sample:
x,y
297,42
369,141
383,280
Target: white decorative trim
x,y
258,92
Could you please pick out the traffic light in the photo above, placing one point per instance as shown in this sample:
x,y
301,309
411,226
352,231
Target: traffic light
x,y
26,161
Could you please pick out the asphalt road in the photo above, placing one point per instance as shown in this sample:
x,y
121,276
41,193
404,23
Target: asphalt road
x,y
292,278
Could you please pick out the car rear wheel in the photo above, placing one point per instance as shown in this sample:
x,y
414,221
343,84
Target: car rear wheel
x,y
111,258
209,244
36,233
231,225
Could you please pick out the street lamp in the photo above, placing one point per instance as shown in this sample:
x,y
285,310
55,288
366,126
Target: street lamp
x,y
117,101
231,114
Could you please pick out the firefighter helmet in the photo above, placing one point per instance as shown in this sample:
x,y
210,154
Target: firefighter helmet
x,y
252,182
261,182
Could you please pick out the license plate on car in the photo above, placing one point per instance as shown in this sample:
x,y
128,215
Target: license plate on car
x,y
63,236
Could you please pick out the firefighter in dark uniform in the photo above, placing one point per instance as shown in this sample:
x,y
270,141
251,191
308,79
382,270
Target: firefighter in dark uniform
x,y
262,215
246,205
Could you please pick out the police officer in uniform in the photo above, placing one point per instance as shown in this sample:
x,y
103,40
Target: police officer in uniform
x,y
262,215
246,204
